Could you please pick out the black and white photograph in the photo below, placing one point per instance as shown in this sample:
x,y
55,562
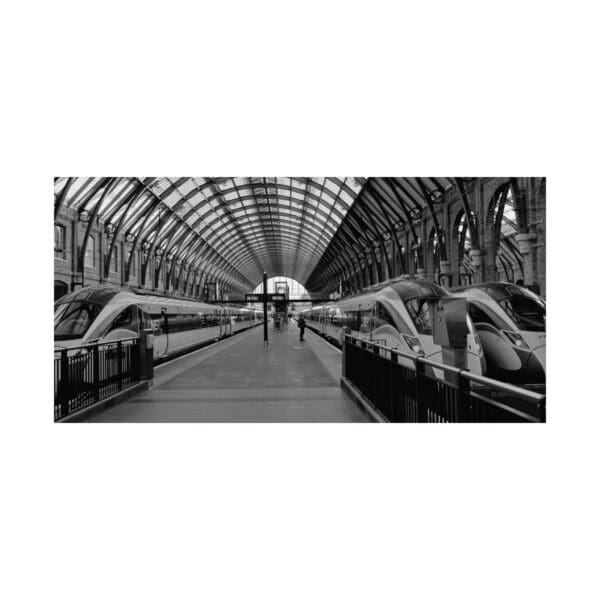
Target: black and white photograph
x,y
298,300
288,299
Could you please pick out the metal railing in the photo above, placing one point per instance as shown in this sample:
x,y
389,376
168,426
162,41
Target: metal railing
x,y
416,394
85,375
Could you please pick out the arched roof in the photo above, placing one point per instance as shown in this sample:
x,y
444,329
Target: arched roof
x,y
312,229
387,205
244,225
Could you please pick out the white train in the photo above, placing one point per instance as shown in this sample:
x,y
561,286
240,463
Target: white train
x,y
511,323
108,313
397,316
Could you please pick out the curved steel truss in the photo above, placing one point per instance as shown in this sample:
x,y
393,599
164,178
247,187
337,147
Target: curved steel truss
x,y
387,206
240,226
316,230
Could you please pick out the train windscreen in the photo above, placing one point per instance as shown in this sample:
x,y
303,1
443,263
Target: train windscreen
x,y
528,313
73,319
418,309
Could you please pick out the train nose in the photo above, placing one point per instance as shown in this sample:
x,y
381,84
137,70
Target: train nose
x,y
540,355
535,367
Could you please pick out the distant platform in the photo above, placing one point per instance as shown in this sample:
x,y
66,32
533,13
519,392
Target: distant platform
x,y
239,380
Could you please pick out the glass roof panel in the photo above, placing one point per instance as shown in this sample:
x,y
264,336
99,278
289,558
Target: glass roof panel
x,y
278,224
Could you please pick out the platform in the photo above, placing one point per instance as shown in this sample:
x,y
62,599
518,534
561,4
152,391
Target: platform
x,y
241,380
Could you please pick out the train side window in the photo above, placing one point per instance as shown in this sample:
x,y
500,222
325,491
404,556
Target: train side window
x,y
145,319
418,309
128,319
383,317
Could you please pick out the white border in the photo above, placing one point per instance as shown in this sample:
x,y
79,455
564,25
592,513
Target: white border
x,y
293,511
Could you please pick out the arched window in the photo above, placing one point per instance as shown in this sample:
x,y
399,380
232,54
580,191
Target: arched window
x,y
114,260
416,252
463,235
59,242
433,251
90,252
133,267
509,260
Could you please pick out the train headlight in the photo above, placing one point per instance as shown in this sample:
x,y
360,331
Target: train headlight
x,y
516,339
413,344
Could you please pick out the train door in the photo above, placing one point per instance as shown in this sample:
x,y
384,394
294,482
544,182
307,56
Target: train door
x,y
383,328
365,320
223,318
160,331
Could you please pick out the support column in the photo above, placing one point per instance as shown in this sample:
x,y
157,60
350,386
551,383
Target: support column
x,y
526,241
265,315
75,267
446,272
478,261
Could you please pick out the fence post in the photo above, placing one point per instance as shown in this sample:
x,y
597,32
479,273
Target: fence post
x,y
390,385
375,378
361,364
64,383
465,406
146,355
419,381
96,369
120,364
543,410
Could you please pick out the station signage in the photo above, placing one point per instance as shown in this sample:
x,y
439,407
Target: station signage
x,y
265,297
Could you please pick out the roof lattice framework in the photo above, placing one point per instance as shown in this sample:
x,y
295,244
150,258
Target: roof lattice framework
x,y
316,230
241,225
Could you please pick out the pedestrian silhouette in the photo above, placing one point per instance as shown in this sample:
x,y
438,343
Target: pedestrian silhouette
x,y
301,326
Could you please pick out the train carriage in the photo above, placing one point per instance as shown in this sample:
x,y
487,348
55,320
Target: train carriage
x,y
108,314
397,316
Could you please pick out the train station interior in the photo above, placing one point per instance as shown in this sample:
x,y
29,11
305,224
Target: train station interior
x,y
322,282
285,299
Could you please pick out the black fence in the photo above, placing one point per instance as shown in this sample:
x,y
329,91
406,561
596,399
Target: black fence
x,y
429,392
88,374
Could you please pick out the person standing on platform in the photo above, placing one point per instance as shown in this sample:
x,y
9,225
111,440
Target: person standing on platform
x,y
301,325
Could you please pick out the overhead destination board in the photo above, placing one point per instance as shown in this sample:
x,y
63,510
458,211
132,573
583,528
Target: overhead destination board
x,y
265,298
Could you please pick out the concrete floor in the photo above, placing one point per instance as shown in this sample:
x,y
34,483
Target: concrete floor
x,y
241,380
